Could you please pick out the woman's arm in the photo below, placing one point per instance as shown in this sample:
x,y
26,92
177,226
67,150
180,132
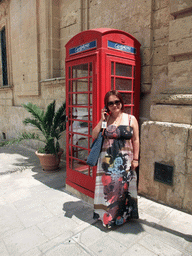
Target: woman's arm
x,y
135,142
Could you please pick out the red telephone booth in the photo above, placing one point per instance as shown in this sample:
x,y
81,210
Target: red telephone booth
x,y
97,61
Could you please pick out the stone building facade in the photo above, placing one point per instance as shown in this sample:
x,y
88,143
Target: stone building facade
x,y
34,34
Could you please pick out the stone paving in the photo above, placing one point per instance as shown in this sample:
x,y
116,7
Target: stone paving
x,y
39,217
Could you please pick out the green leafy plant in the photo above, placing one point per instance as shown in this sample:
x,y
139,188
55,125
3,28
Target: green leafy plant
x,y
50,123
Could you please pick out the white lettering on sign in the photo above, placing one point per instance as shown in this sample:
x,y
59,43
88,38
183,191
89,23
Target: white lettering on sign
x,y
121,47
83,47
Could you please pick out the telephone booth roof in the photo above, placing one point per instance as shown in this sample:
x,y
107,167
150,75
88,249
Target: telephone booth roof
x,y
100,38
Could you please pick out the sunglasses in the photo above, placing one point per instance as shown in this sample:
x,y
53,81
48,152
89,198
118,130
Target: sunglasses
x,y
112,103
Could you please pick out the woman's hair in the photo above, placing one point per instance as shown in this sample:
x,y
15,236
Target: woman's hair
x,y
115,93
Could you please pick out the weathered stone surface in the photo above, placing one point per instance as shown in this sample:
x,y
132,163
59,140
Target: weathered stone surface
x,y
165,143
179,6
187,204
180,28
173,114
180,46
160,55
158,21
160,4
175,99
159,80
146,74
180,75
190,137
180,36
6,98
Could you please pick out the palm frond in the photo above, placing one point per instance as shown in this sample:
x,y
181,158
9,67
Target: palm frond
x,y
48,117
36,112
21,137
60,118
33,122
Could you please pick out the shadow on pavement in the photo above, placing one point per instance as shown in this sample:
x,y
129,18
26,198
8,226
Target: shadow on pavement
x,y
18,158
13,158
84,212
55,179
162,228
80,209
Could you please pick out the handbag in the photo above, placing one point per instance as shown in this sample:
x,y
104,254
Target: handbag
x,y
95,150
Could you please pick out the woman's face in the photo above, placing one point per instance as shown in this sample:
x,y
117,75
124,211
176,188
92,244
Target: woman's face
x,y
114,104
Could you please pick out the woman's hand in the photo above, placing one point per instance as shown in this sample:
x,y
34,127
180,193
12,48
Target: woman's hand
x,y
97,128
103,113
134,164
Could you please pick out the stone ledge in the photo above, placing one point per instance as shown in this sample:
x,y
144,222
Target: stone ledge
x,y
7,87
177,7
53,81
173,99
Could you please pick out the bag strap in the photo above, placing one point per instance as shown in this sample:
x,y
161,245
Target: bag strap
x,y
129,117
103,132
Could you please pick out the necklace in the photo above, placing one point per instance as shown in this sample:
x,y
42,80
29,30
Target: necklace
x,y
118,121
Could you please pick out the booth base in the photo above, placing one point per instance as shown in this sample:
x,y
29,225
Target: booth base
x,y
79,194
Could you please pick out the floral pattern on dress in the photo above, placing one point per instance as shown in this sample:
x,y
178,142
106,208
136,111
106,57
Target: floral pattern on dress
x,y
115,198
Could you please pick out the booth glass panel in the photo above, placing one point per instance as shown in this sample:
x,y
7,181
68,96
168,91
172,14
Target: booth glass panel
x,y
123,70
70,99
80,85
112,68
80,167
79,127
81,99
80,118
69,86
80,113
123,84
112,83
90,114
81,142
127,110
80,70
127,98
90,99
90,69
90,84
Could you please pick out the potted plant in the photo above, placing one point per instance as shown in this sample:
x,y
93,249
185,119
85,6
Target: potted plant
x,y
50,123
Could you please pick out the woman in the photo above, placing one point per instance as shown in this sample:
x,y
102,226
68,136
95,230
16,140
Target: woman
x,y
115,198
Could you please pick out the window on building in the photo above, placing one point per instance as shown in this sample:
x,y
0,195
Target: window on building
x,y
4,57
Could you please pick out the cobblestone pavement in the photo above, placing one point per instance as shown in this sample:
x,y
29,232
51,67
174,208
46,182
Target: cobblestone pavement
x,y
39,217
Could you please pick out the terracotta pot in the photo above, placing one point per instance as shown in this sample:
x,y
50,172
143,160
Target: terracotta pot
x,y
49,162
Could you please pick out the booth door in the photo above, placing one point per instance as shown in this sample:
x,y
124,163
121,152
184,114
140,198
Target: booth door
x,y
121,77
79,89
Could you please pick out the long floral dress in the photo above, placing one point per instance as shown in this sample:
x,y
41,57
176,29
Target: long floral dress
x,y
115,198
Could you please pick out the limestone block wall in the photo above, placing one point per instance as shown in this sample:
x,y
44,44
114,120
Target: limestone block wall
x,y
170,144
70,25
167,138
23,42
12,116
33,55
